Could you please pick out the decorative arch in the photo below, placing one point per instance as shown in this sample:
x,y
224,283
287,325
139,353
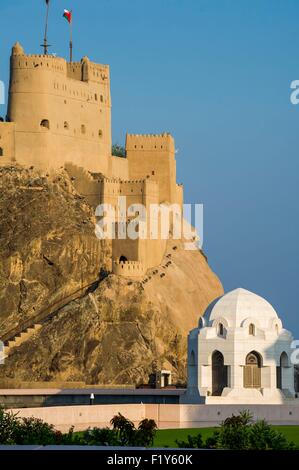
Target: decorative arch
x,y
283,363
245,323
252,370
219,373
276,325
284,359
219,320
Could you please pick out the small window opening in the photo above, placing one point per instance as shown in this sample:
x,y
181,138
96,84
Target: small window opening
x,y
252,329
45,123
220,329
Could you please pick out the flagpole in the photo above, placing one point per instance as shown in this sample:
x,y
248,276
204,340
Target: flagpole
x,y
46,45
71,38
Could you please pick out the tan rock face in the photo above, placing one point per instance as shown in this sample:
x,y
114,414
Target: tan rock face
x,y
47,245
117,334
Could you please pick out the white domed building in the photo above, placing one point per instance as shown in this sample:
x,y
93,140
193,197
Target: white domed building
x,y
239,353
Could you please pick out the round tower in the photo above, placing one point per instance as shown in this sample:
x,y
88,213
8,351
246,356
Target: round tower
x,y
61,111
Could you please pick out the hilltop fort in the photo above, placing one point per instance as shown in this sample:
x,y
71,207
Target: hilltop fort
x,y
74,308
59,116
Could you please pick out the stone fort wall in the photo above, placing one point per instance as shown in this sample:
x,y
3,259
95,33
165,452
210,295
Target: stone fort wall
x,y
129,269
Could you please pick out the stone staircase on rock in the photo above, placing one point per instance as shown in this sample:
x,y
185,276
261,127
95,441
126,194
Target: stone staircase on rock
x,y
26,330
21,338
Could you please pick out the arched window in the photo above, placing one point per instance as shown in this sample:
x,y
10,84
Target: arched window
x,y
83,129
283,362
66,125
96,97
1,152
220,329
123,259
100,133
45,124
219,373
252,370
251,329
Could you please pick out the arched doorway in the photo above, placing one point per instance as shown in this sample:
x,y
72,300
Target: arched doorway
x,y
252,370
219,373
123,259
283,362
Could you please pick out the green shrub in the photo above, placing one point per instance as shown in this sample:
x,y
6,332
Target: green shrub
x,y
193,442
239,433
9,424
263,437
100,437
35,431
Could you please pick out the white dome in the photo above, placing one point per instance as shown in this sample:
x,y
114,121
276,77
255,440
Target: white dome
x,y
237,306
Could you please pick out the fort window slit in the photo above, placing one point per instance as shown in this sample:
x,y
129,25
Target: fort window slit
x,y
45,123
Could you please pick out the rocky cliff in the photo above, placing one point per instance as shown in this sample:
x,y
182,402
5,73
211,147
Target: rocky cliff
x,y
114,331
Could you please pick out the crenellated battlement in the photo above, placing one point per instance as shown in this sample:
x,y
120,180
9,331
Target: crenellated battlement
x,y
150,142
128,268
84,71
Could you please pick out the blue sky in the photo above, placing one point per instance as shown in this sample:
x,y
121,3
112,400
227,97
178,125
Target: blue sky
x,y
216,74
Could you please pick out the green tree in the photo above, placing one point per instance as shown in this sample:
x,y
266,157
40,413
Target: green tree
x,y
125,429
234,432
146,432
118,150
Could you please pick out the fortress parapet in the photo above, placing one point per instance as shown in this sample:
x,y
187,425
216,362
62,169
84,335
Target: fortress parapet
x,y
128,268
152,142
